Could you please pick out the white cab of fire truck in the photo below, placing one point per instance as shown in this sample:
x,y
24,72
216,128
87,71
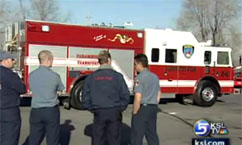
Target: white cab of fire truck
x,y
186,67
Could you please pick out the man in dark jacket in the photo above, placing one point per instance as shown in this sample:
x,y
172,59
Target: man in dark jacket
x,y
106,94
11,87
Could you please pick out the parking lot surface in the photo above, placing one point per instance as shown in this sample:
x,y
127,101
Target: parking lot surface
x,y
174,125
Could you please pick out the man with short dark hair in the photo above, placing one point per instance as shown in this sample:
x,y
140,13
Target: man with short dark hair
x,y
147,96
45,84
106,94
11,87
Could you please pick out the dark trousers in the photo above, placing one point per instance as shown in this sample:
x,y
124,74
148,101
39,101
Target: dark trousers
x,y
144,124
44,121
10,124
107,126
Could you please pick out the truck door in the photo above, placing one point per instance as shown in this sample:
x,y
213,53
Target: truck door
x,y
170,72
218,64
163,64
209,65
224,71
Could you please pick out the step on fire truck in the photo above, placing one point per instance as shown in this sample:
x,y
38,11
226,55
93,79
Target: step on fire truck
x,y
184,66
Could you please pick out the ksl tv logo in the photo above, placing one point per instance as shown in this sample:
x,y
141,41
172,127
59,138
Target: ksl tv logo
x,y
204,128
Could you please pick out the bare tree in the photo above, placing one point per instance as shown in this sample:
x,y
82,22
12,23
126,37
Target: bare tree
x,y
22,9
235,41
221,12
194,18
209,17
3,20
46,10
19,10
218,20
3,14
9,12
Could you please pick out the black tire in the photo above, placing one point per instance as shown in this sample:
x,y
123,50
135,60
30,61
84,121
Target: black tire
x,y
206,94
75,97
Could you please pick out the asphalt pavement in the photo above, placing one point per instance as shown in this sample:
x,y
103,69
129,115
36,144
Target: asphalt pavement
x,y
174,126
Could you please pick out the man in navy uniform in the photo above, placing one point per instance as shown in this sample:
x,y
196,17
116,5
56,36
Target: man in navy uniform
x,y
45,85
147,97
106,94
11,87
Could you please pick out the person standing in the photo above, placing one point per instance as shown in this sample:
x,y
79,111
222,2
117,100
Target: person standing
x,y
145,108
45,85
106,94
11,86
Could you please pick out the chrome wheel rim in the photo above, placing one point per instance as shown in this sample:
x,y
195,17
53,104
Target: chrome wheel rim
x,y
80,96
207,94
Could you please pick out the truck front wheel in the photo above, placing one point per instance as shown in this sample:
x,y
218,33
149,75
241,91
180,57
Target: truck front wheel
x,y
76,94
206,94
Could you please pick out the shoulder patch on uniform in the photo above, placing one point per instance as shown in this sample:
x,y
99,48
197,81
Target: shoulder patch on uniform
x,y
136,82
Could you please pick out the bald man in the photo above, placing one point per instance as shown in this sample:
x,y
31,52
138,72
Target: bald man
x,y
45,115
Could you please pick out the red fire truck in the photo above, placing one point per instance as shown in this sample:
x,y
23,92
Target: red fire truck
x,y
184,66
238,76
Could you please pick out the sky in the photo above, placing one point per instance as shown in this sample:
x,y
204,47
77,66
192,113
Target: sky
x,y
142,13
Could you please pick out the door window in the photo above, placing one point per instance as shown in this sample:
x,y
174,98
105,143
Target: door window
x,y
155,54
171,56
207,57
223,58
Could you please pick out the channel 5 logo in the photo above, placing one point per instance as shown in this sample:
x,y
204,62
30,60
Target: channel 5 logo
x,y
204,128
